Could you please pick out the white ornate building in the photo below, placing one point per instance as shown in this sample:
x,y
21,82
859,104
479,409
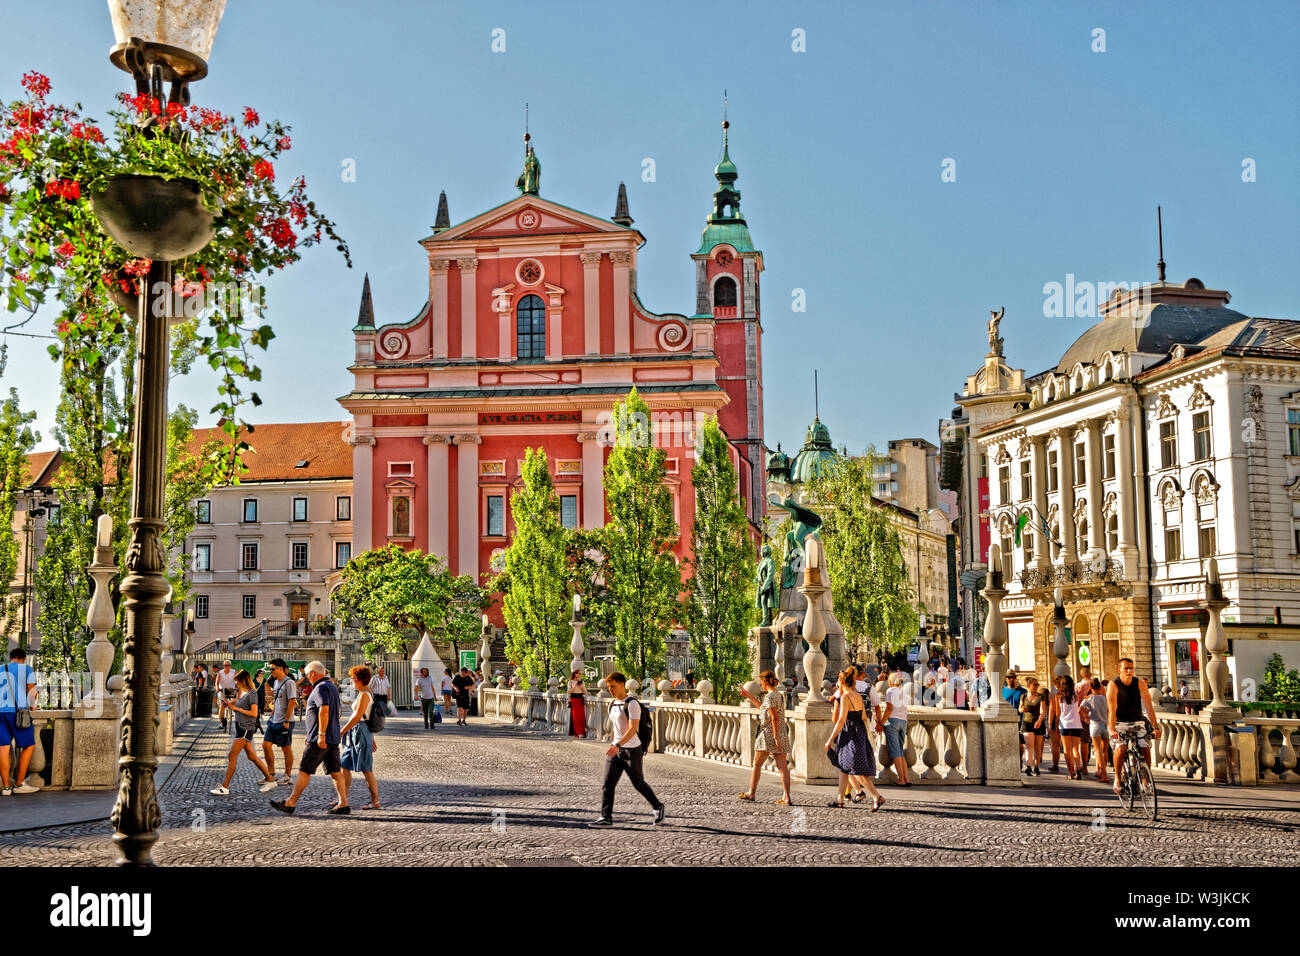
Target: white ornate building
x,y
1168,433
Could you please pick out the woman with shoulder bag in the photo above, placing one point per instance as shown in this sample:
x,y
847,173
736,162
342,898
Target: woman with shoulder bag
x,y
773,737
357,755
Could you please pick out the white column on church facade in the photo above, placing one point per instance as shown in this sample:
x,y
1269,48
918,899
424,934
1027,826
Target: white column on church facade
x,y
1038,479
593,480
1065,480
438,496
467,503
591,302
363,451
468,266
1096,527
438,302
622,302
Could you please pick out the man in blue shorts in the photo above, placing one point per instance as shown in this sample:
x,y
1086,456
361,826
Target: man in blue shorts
x,y
322,746
16,685
279,729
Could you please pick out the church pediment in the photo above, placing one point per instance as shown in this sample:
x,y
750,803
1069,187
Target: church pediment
x,y
527,216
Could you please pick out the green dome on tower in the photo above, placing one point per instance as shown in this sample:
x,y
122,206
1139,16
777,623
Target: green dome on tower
x,y
817,457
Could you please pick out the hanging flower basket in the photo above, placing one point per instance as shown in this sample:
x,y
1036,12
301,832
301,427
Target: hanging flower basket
x,y
153,217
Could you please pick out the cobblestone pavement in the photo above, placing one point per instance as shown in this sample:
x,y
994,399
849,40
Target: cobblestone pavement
x,y
492,795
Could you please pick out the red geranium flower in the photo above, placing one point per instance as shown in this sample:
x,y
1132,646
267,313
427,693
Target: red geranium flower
x,y
262,169
282,143
66,189
67,250
250,116
86,131
138,267
37,84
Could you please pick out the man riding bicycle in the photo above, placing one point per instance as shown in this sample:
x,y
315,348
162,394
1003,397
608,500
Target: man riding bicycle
x,y
1126,698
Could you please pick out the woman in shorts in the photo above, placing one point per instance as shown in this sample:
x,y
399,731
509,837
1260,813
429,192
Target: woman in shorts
x,y
1065,710
243,727
1098,714
1033,725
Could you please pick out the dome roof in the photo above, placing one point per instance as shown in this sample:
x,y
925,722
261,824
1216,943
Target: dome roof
x,y
778,463
817,457
1153,327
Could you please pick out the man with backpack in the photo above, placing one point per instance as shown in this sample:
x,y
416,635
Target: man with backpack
x,y
632,730
279,729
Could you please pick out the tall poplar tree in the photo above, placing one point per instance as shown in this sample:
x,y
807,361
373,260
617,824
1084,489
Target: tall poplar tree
x,y
639,566
720,602
870,586
536,602
16,440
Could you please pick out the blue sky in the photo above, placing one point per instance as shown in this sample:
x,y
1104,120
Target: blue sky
x,y
1061,156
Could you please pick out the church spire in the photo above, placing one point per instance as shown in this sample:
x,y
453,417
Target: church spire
x,y
366,314
443,219
621,214
726,198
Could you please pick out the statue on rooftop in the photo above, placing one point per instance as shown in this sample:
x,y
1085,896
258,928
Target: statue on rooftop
x,y
995,340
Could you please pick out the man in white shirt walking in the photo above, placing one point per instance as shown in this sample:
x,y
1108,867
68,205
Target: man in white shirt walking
x,y
625,754
379,688
279,729
225,679
425,697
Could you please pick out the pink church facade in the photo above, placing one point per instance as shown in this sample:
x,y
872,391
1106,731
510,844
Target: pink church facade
x,y
532,331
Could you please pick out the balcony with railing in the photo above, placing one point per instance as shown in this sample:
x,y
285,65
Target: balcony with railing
x,y
1073,574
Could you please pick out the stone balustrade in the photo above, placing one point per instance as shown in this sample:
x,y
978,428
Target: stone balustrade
x,y
945,746
1275,747
1180,748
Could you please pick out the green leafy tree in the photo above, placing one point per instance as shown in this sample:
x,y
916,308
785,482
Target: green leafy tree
x,y
16,440
463,621
86,487
639,566
1279,684
864,553
536,602
585,554
392,591
720,604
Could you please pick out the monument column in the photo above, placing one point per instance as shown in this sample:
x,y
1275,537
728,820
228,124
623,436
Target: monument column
x,y
438,302
591,301
439,495
1038,477
467,495
468,267
622,302
1096,527
1065,480
593,480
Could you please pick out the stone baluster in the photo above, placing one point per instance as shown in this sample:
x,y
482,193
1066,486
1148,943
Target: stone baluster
x,y
1267,758
100,620
930,755
485,650
953,750
1287,755
814,627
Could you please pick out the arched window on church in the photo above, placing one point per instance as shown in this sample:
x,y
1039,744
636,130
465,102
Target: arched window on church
x,y
724,292
530,328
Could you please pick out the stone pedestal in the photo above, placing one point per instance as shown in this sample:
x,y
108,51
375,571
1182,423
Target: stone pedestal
x,y
94,753
1000,729
1213,726
812,726
762,641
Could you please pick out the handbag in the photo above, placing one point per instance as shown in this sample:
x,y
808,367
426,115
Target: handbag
x,y
22,715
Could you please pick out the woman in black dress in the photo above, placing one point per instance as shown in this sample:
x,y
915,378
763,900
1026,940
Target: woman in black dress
x,y
848,748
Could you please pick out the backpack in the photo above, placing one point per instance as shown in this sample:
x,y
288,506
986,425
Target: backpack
x,y
377,717
645,726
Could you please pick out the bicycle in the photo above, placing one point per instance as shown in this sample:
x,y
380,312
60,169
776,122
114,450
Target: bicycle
x,y
1135,779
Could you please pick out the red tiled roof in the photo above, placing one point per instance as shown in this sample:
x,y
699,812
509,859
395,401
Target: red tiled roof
x,y
278,448
38,463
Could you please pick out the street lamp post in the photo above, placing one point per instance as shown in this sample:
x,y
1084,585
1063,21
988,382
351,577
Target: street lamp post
x,y
34,511
150,218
